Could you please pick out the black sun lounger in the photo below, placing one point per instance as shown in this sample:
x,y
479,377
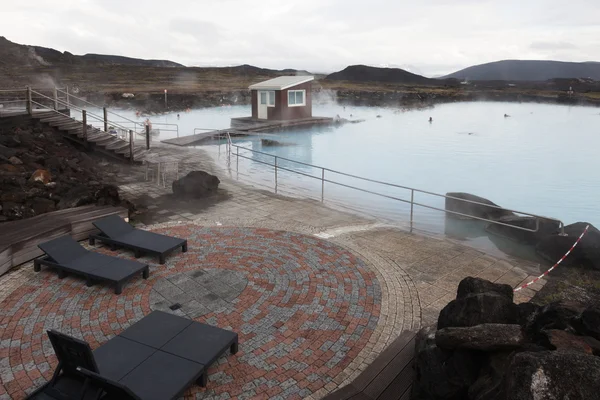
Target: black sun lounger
x,y
157,358
67,256
118,233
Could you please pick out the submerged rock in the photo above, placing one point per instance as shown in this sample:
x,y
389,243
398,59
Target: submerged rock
x,y
586,254
486,209
545,228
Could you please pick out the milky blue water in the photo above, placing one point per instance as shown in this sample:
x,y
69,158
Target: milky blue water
x,y
543,159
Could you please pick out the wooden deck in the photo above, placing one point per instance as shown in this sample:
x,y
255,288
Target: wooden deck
x,y
246,126
19,239
388,377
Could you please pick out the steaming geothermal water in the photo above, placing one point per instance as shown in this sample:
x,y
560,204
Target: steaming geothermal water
x,y
543,159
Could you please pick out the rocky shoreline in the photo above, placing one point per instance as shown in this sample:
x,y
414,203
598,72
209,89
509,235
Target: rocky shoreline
x,y
411,98
41,172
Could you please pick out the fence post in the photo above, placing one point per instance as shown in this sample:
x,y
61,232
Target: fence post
x,y
131,146
322,185
105,119
55,98
237,160
147,137
275,174
29,104
412,204
84,120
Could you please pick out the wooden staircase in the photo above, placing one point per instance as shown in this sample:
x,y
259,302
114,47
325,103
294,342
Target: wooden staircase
x,y
96,139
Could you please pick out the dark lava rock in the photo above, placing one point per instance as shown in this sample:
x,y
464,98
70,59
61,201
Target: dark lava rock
x,y
553,375
41,205
471,285
475,309
545,228
563,340
7,152
586,254
108,195
196,184
475,210
527,313
561,316
489,385
484,337
54,164
590,322
75,197
9,141
442,374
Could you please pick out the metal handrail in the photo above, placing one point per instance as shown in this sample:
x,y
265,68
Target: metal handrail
x,y
412,190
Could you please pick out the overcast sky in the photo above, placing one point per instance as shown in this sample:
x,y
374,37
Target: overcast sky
x,y
430,37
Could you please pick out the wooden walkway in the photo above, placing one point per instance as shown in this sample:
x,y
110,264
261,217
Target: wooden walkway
x,y
388,377
19,239
245,126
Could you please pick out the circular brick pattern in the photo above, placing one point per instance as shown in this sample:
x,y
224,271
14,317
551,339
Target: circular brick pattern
x,y
304,308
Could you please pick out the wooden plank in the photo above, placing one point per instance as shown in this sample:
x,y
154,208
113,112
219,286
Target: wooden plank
x,y
406,395
5,260
344,393
375,368
360,396
401,384
402,361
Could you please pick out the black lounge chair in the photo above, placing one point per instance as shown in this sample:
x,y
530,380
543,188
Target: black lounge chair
x,y
157,358
67,256
118,233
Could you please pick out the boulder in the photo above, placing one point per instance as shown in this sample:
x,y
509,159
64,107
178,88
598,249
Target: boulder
x,y
482,210
196,184
586,254
9,141
590,321
471,285
9,169
53,164
484,337
15,161
41,175
545,227
442,374
562,340
489,384
550,375
563,316
476,309
527,313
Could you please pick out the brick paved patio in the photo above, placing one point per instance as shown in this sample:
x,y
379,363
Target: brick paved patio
x,y
304,309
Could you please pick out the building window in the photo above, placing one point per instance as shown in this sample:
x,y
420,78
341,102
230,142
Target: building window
x,y
271,99
296,98
263,97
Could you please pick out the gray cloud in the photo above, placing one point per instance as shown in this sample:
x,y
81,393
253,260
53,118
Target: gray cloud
x,y
432,36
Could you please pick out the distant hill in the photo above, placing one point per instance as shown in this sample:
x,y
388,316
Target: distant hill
x,y
19,55
363,73
528,70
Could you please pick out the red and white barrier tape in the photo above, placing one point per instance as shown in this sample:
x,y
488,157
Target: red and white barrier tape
x,y
555,265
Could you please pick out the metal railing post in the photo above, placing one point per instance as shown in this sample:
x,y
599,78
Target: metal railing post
x,y
105,119
55,98
322,185
275,174
29,103
84,120
237,161
131,146
147,137
68,98
412,205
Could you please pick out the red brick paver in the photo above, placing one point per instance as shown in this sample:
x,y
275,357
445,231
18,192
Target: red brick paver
x,y
305,309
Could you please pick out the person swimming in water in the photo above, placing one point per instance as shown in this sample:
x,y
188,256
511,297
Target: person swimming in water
x,y
506,116
430,119
178,116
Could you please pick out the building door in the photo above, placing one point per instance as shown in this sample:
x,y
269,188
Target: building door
x,y
262,104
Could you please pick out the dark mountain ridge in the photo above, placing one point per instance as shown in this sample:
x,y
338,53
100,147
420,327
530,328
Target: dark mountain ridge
x,y
528,70
364,73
